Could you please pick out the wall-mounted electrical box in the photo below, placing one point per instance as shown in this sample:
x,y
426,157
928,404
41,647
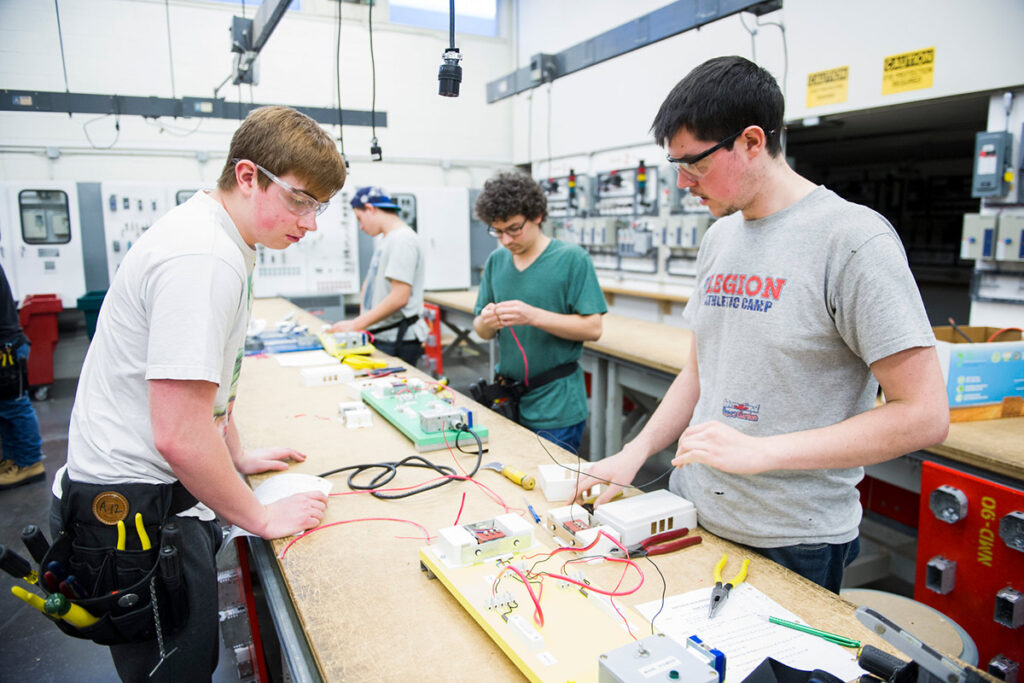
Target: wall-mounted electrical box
x,y
1010,237
992,167
978,236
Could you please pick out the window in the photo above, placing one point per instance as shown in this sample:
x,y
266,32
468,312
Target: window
x,y
45,218
478,17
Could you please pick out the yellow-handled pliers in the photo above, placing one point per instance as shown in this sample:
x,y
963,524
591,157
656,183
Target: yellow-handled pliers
x,y
720,592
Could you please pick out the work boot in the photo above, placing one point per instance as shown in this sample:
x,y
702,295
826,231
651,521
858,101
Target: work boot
x,y
6,464
16,476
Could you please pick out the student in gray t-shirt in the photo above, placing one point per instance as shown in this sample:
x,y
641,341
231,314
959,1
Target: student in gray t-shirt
x,y
391,303
804,305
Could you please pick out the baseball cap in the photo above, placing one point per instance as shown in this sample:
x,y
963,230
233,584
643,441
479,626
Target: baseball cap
x,y
374,196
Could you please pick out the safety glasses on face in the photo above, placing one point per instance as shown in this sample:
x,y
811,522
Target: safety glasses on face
x,y
298,202
512,232
692,165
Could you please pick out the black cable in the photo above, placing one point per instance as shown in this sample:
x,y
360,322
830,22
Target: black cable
x,y
373,80
578,470
451,24
664,588
459,448
337,74
170,52
390,469
63,63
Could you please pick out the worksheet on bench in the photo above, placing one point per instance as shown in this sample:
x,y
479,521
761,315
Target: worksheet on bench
x,y
744,636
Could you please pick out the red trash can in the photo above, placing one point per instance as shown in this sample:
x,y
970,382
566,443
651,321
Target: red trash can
x,y
38,317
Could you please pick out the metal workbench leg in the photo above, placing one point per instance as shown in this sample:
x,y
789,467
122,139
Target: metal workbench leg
x,y
294,647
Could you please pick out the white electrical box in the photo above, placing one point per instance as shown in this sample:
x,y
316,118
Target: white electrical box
x,y
646,515
129,209
978,236
1010,237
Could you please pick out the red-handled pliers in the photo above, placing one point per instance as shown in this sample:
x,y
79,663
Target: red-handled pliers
x,y
665,543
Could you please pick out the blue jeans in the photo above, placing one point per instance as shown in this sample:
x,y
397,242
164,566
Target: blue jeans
x,y
19,427
566,437
822,563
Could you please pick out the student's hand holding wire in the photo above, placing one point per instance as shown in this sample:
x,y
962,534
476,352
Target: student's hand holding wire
x,y
620,468
722,447
258,460
515,312
293,514
489,317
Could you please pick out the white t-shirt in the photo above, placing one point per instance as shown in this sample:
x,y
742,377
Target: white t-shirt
x,y
178,309
397,256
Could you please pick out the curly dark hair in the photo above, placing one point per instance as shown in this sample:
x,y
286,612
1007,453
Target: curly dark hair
x,y
511,194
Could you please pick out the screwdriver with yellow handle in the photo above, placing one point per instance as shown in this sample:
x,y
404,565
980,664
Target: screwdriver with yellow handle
x,y
512,474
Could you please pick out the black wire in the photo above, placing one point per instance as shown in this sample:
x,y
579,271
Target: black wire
x,y
451,23
390,469
664,587
170,53
373,77
337,74
459,448
63,63
578,470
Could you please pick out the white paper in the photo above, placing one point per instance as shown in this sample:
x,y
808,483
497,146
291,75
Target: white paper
x,y
282,486
745,637
301,359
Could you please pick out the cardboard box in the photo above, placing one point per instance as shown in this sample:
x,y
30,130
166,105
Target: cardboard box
x,y
984,380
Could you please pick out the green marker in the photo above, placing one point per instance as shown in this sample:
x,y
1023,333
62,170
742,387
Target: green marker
x,y
830,637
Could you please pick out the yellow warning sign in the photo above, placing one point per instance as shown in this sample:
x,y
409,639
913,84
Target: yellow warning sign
x,y
830,86
908,71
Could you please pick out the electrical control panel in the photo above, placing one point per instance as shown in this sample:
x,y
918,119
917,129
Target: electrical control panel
x,y
1010,237
424,412
970,551
978,236
992,167
569,195
129,209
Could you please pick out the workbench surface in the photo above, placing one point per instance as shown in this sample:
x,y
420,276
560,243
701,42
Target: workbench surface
x,y
367,610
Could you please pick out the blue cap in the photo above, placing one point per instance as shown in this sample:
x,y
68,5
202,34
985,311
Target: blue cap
x,y
374,196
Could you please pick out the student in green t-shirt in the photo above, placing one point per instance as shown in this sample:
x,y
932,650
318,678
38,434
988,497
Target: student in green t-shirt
x,y
540,296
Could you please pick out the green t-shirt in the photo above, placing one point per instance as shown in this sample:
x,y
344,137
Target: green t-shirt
x,y
561,280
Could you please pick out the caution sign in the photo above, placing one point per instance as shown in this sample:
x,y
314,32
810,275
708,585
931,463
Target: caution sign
x,y
828,87
908,71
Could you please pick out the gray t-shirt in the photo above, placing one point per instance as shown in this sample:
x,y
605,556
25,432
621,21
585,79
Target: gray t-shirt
x,y
789,313
398,256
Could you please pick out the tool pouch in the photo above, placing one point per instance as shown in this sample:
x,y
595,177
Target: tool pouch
x,y
504,394
13,372
121,585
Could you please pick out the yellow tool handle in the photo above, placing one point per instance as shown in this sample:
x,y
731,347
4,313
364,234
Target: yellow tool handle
x,y
518,477
143,536
30,598
738,579
718,569
120,534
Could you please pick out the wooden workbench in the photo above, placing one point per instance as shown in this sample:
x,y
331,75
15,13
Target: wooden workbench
x,y
365,609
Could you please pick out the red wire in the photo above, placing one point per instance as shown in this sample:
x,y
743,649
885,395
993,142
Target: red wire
x,y
526,366
426,534
458,516
538,613
1005,329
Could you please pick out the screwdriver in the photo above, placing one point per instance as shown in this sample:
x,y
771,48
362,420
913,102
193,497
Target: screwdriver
x,y
33,538
58,605
17,566
512,474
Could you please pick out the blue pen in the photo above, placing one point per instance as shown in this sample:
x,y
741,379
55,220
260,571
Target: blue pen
x,y
533,512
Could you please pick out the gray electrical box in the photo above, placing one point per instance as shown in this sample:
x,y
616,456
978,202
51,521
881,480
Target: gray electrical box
x,y
1010,237
658,658
991,163
978,236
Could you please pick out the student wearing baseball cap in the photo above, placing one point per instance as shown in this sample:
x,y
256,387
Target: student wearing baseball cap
x,y
391,301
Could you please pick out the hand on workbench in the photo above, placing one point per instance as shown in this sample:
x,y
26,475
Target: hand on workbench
x,y
293,514
267,459
344,326
722,447
620,468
